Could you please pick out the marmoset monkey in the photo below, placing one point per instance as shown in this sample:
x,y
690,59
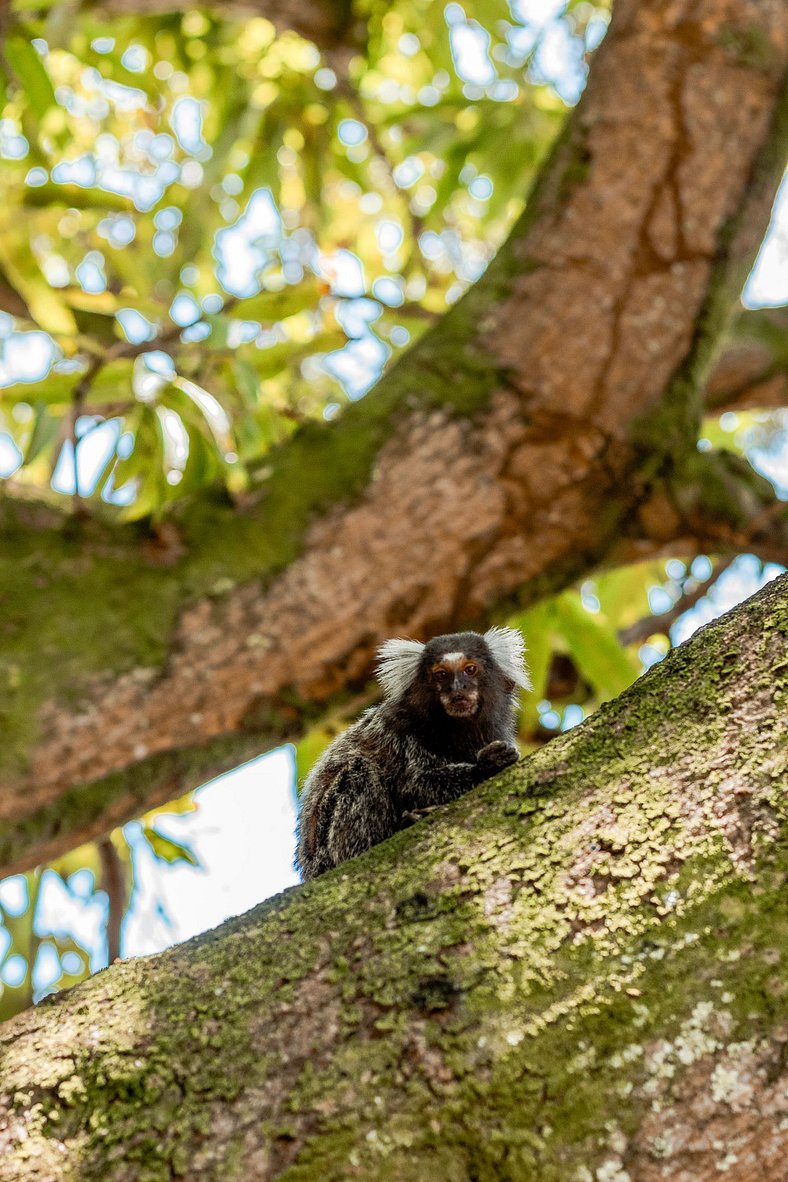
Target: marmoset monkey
x,y
446,723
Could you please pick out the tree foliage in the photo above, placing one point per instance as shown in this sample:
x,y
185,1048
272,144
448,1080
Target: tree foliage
x,y
223,232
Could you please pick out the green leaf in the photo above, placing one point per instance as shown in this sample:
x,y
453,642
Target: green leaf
x,y
593,645
145,464
196,405
18,262
623,593
272,306
113,384
309,750
220,330
46,430
167,850
53,390
535,626
74,197
184,804
266,363
247,379
31,74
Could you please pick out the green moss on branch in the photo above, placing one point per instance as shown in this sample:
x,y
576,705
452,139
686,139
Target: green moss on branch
x,y
505,990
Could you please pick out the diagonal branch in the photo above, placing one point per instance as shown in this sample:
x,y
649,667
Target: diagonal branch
x,y
522,442
752,373
728,508
664,621
474,997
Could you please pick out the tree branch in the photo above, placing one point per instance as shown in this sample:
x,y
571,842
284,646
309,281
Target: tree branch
x,y
328,23
475,996
662,622
557,400
113,882
752,373
728,508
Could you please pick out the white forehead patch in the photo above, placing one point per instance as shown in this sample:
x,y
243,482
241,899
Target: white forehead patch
x,y
453,657
508,649
398,664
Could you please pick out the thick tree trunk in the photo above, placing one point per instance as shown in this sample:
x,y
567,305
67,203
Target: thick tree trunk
x,y
546,425
577,971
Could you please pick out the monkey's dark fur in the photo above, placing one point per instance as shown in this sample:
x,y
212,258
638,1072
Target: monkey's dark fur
x,y
446,724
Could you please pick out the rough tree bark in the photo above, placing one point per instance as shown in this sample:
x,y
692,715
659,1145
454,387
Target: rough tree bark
x,y
576,972
545,426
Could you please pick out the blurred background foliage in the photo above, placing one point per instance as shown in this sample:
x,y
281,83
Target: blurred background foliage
x,y
211,232
45,942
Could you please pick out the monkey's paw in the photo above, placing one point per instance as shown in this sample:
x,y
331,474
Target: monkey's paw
x,y
496,756
413,815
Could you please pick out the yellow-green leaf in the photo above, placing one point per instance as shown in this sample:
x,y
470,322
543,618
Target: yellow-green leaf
x,y
593,645
31,74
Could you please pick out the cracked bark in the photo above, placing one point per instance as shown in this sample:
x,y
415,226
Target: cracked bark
x,y
576,971
545,426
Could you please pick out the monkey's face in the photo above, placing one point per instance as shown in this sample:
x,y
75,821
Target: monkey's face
x,y
455,677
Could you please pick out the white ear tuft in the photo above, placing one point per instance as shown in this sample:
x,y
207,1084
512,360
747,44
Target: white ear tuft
x,y
398,663
508,649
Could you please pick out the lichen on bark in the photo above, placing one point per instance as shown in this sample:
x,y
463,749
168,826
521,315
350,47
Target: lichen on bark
x,y
578,967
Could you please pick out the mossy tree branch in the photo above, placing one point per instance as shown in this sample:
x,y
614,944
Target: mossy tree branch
x,y
729,509
535,432
578,966
752,373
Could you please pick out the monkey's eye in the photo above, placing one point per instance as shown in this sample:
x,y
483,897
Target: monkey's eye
x,y
471,670
441,674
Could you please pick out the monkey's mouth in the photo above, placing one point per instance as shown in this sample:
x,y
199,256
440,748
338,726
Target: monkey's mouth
x,y
461,705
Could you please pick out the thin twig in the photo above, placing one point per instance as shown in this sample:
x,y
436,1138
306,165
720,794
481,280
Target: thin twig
x,y
113,881
107,410
663,622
